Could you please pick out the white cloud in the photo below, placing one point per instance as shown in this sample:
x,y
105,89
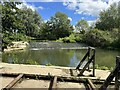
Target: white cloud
x,y
70,18
40,7
89,7
20,6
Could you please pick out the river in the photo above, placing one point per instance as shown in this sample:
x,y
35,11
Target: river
x,y
49,53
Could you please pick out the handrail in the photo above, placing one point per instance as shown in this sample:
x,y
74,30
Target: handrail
x,y
91,58
86,65
82,60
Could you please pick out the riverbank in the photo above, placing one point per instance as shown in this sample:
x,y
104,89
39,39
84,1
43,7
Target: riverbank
x,y
19,45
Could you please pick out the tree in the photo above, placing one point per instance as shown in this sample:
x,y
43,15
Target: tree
x,y
82,26
108,18
57,27
9,17
18,23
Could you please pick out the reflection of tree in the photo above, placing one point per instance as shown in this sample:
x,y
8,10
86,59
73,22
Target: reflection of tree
x,y
106,57
60,57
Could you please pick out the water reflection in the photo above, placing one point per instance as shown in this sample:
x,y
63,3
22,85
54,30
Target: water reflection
x,y
59,57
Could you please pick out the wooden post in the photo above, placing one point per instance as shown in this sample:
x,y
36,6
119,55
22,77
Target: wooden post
x,y
14,82
113,74
89,55
54,83
94,63
91,84
117,78
82,60
81,72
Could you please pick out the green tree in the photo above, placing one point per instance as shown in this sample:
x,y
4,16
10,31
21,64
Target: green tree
x,y
108,18
57,27
82,26
18,23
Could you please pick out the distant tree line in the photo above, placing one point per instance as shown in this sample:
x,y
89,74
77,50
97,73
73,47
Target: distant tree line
x,y
19,24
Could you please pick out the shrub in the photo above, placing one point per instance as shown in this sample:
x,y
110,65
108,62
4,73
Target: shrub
x,y
97,38
70,39
79,37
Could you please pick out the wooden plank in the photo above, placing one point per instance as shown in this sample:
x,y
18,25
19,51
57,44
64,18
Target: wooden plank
x,y
81,72
94,63
91,84
54,86
59,78
14,82
109,78
80,63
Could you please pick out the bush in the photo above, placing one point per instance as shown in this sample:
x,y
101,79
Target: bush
x,y
97,38
70,39
79,37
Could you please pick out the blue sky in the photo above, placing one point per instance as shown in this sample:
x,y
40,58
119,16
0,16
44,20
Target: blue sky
x,y
75,9
48,9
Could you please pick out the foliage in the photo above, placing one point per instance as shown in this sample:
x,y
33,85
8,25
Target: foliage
x,y
82,26
79,37
102,67
17,26
70,39
57,27
109,18
97,38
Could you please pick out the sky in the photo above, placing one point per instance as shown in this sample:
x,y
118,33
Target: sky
x,y
75,9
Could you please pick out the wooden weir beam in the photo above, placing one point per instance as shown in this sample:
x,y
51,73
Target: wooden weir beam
x,y
87,64
81,79
115,73
82,60
91,58
91,84
14,82
54,83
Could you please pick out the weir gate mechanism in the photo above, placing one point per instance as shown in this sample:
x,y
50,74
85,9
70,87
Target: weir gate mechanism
x,y
90,81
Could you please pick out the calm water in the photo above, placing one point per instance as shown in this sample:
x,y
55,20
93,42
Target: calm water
x,y
35,54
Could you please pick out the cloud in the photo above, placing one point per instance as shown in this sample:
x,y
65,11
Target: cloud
x,y
32,7
70,18
40,7
88,7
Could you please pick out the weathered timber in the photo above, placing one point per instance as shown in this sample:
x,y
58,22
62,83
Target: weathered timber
x,y
93,62
81,79
91,84
117,78
88,56
14,82
113,74
54,86
86,65
82,60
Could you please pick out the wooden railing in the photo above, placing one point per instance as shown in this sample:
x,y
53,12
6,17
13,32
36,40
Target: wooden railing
x,y
90,55
115,73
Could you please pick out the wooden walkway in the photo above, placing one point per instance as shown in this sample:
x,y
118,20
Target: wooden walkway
x,y
46,76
